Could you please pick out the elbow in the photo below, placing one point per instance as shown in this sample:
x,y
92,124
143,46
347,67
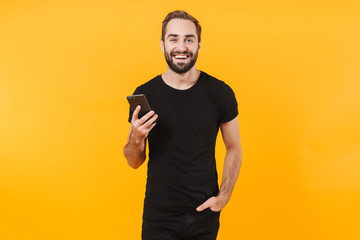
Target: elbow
x,y
133,165
132,161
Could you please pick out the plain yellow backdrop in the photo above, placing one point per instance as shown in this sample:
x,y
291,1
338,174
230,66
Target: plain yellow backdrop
x,y
66,68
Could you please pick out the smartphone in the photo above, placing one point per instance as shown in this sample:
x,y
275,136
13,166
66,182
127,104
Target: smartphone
x,y
136,100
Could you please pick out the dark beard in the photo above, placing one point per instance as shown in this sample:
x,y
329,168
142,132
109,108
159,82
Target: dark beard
x,y
182,67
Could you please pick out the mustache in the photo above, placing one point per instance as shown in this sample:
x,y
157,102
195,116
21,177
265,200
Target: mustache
x,y
184,52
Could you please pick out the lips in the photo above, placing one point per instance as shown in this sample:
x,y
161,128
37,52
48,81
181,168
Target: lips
x,y
181,55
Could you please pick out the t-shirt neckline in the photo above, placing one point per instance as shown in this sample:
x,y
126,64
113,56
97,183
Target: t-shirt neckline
x,y
182,90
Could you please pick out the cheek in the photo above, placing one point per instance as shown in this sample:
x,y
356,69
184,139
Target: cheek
x,y
165,48
195,50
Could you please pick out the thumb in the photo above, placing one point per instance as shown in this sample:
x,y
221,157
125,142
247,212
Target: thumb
x,y
205,205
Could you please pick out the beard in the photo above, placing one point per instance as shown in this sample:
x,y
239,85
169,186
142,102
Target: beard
x,y
180,67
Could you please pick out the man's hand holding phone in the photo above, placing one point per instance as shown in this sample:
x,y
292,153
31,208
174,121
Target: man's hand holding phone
x,y
140,127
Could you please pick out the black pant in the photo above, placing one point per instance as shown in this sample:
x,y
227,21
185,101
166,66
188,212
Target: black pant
x,y
190,226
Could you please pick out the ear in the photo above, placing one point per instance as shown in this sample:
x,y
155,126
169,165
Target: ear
x,y
199,45
162,45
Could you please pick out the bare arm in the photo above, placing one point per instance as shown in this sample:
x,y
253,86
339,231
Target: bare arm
x,y
134,150
232,163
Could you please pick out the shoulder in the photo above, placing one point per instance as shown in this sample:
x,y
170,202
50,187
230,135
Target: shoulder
x,y
214,84
149,85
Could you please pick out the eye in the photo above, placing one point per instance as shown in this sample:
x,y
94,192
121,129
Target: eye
x,y
172,40
189,40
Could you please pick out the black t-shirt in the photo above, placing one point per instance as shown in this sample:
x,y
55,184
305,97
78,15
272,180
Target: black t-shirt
x,y
181,169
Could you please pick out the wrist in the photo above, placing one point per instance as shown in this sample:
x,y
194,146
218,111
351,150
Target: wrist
x,y
224,196
136,141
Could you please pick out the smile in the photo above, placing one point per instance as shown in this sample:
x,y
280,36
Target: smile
x,y
181,56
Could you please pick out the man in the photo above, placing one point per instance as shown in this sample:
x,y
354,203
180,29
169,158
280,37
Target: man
x,y
182,198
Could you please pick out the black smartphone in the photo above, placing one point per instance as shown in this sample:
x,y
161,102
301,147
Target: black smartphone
x,y
136,100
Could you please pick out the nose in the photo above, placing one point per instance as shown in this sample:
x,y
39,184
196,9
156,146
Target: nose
x,y
181,46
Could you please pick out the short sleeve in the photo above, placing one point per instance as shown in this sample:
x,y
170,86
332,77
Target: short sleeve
x,y
228,103
137,91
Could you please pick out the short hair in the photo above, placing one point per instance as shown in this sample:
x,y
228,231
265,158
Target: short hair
x,y
180,15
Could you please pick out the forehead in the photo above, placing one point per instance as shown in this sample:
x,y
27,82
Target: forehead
x,y
180,27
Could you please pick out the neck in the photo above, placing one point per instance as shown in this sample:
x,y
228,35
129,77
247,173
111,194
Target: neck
x,y
181,81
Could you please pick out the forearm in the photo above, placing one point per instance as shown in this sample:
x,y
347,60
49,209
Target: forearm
x,y
232,163
231,170
134,152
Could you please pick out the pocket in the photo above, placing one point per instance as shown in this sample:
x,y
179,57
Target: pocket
x,y
208,210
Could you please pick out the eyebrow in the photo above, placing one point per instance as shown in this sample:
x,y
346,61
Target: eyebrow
x,y
176,35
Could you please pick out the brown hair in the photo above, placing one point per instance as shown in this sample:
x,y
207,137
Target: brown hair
x,y
181,15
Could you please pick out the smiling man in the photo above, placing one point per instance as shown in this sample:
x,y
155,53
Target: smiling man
x,y
183,200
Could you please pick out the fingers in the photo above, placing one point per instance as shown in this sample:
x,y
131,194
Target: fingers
x,y
141,127
143,119
135,115
151,122
146,117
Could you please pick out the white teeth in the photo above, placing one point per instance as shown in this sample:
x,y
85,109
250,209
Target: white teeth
x,y
183,57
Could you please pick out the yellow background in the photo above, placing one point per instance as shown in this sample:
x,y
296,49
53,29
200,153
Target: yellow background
x,y
66,68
